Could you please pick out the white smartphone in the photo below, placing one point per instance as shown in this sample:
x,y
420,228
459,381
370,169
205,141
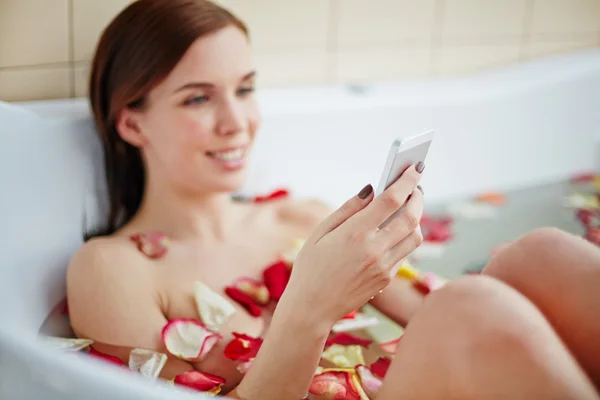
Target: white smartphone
x,y
403,153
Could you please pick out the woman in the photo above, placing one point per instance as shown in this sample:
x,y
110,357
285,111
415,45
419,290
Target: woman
x,y
172,93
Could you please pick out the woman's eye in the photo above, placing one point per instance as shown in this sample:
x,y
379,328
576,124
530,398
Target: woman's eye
x,y
245,91
196,100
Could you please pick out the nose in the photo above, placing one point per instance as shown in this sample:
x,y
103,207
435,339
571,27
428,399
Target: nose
x,y
232,118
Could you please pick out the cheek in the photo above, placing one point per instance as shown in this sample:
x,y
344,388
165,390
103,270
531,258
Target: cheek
x,y
254,117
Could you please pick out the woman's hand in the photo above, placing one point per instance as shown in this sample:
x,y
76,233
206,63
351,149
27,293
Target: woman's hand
x,y
355,252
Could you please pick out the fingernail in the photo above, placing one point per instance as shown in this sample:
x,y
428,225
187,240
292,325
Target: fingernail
x,y
420,167
420,188
365,192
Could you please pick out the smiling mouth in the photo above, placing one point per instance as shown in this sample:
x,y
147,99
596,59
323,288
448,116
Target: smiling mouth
x,y
228,155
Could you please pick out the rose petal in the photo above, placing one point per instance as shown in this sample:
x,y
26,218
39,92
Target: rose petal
x,y
391,346
213,308
243,368
344,356
346,339
290,256
189,339
152,244
407,271
255,289
111,359
351,315
334,385
356,384
200,381
428,282
277,194
358,322
147,362
243,347
584,177
276,278
494,198
244,300
369,382
380,366
67,344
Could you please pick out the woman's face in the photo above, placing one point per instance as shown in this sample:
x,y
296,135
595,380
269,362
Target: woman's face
x,y
200,122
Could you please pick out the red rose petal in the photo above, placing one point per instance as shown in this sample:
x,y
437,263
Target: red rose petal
x,y
244,300
334,385
152,244
391,346
255,289
243,347
277,194
584,177
380,367
276,278
200,381
370,383
111,359
350,315
346,339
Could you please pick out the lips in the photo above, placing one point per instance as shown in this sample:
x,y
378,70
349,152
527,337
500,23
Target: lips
x,y
229,154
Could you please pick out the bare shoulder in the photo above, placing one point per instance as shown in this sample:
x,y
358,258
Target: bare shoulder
x,y
304,213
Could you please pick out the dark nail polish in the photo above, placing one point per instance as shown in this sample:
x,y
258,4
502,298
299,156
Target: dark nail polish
x,y
365,192
420,188
420,167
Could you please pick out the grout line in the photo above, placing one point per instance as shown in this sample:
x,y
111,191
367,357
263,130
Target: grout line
x,y
71,48
332,42
36,66
526,34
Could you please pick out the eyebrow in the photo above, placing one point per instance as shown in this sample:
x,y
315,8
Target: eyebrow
x,y
196,85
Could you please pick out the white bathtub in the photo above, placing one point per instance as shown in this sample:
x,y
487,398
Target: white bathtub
x,y
524,125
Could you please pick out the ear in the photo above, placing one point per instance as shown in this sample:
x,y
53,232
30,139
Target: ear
x,y
128,127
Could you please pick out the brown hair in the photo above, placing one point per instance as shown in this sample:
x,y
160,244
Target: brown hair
x,y
139,48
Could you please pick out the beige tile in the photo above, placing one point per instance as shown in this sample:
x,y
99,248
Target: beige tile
x,y
90,18
292,69
33,32
482,21
383,64
552,18
80,79
452,60
22,84
538,49
363,23
284,25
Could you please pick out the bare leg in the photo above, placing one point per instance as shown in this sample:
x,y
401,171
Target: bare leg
x,y
560,274
477,338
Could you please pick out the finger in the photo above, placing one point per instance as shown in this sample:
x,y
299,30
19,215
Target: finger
x,y
403,222
392,199
347,210
401,250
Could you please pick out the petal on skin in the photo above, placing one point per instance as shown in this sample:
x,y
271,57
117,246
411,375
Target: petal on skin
x,y
351,315
243,347
255,289
344,356
407,271
147,362
244,300
391,346
213,308
189,339
111,359
152,244
346,339
380,367
200,381
67,344
276,277
334,385
290,256
428,282
277,194
243,368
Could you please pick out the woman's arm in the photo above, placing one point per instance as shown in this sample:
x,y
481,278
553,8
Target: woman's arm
x,y
288,358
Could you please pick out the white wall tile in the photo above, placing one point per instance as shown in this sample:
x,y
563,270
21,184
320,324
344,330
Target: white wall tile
x,y
483,21
90,18
383,64
544,48
22,84
292,69
363,24
33,32
283,25
555,18
452,60
81,73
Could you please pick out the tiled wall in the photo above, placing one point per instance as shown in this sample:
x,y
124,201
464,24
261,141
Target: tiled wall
x,y
46,45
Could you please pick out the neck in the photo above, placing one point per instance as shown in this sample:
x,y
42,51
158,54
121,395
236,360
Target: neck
x,y
183,215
